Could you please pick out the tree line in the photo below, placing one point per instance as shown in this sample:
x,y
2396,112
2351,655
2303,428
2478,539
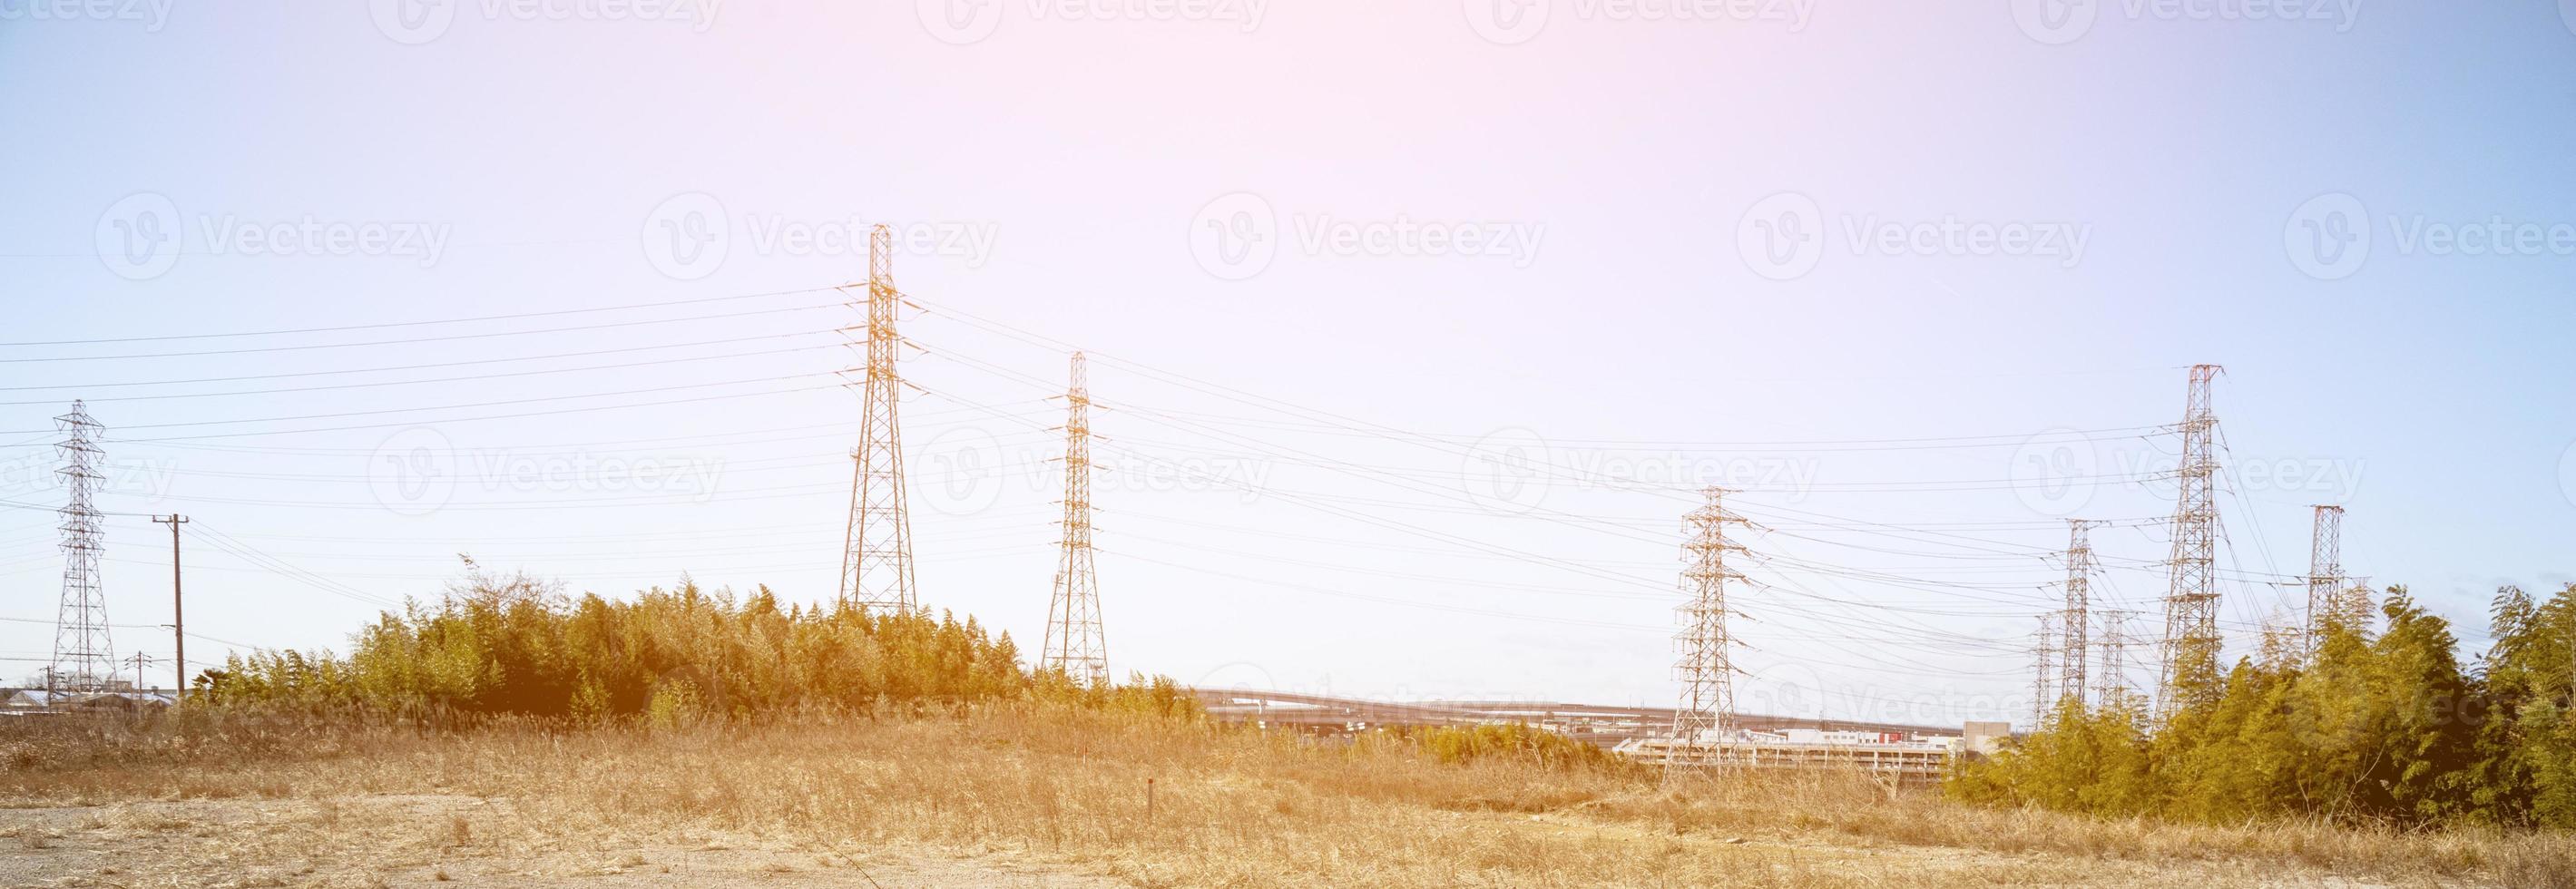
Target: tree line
x,y
2362,726
515,646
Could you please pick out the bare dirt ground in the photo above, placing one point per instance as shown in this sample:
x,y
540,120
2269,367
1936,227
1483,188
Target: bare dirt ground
x,y
432,840
1050,798
448,840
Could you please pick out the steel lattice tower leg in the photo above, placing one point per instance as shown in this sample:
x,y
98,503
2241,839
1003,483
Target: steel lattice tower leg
x,y
2113,668
1075,644
1705,720
2357,604
83,660
2325,575
2071,681
876,561
2043,694
2191,642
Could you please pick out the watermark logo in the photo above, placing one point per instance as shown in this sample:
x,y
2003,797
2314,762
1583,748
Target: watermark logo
x,y
37,475
139,237
152,13
1783,236
2053,472
961,22
412,22
965,470
142,235
1780,237
1245,479
776,235
2055,22
1514,22
1322,234
2059,472
1238,674
961,470
2567,474
1238,235
1507,470
412,472
2059,22
687,236
1511,22
2328,237
417,22
1512,471
1790,689
417,471
1235,236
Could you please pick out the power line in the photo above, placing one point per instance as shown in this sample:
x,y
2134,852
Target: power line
x,y
401,324
415,340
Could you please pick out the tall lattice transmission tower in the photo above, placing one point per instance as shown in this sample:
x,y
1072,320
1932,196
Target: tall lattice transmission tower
x,y
2111,670
2075,645
2191,641
83,660
876,561
1706,719
2325,575
2357,604
1074,642
2043,674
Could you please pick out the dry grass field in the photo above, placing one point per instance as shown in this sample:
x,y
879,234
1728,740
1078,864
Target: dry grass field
x,y
1019,796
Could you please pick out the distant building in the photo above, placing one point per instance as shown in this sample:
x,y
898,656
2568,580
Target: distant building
x,y
1986,737
32,700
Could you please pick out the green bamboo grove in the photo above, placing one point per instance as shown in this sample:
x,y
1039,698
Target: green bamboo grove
x,y
2385,727
512,646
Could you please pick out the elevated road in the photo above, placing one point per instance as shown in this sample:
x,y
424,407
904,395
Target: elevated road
x,y
1603,725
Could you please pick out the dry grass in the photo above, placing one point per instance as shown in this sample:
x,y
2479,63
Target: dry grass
x,y
1066,792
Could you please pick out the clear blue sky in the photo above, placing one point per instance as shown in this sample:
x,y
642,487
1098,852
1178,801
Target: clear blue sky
x,y
2016,219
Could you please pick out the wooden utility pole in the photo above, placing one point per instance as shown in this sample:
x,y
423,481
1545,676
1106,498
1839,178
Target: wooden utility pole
x,y
178,626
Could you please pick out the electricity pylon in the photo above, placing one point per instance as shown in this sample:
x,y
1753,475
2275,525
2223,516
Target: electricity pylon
x,y
1705,720
2325,575
2071,681
83,660
2358,604
1075,644
2043,674
876,558
2112,671
2191,641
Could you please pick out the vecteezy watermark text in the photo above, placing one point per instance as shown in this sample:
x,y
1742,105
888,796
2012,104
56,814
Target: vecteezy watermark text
x,y
415,22
2329,237
142,236
2066,21
1236,236
2059,472
688,236
1514,470
1512,22
38,474
417,471
969,21
154,14
1782,237
964,470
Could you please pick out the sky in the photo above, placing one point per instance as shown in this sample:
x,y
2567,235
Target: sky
x,y
1414,328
